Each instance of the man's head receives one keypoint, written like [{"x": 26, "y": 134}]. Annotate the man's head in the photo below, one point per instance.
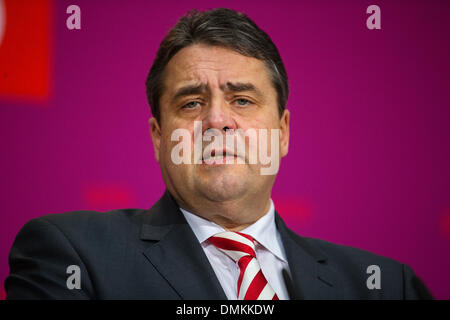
[
  {"x": 219, "y": 27},
  {"x": 217, "y": 68}
]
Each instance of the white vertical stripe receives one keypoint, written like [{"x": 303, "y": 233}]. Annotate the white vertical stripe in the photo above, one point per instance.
[
  {"x": 267, "y": 293},
  {"x": 2, "y": 20},
  {"x": 250, "y": 273}
]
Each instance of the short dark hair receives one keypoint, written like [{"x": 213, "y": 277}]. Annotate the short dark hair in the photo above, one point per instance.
[{"x": 218, "y": 27}]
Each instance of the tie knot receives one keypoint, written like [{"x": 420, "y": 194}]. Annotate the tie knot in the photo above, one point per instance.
[{"x": 234, "y": 244}]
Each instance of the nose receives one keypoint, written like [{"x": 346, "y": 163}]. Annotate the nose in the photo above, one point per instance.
[{"x": 218, "y": 117}]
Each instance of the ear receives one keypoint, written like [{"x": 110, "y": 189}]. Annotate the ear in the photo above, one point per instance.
[
  {"x": 155, "y": 133},
  {"x": 284, "y": 132}
]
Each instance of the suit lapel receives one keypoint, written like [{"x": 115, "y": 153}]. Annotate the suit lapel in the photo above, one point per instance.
[
  {"x": 176, "y": 253},
  {"x": 310, "y": 275}
]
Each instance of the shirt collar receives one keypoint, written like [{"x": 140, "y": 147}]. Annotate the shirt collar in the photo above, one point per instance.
[{"x": 264, "y": 230}]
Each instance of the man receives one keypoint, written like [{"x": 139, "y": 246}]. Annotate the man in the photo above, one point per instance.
[{"x": 215, "y": 233}]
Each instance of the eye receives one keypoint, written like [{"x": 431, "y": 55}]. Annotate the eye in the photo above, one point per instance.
[
  {"x": 242, "y": 102},
  {"x": 191, "y": 105}
]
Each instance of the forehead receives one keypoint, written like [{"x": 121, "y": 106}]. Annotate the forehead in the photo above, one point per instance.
[{"x": 214, "y": 66}]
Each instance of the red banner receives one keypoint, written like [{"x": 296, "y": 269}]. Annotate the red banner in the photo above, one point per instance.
[{"x": 24, "y": 48}]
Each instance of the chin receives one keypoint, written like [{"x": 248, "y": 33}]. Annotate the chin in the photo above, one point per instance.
[{"x": 222, "y": 187}]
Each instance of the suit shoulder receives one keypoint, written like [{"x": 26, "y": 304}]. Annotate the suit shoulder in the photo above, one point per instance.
[
  {"x": 355, "y": 265},
  {"x": 338, "y": 252},
  {"x": 81, "y": 217},
  {"x": 85, "y": 224}
]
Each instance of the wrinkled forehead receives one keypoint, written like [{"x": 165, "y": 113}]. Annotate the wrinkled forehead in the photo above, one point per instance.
[{"x": 213, "y": 68}]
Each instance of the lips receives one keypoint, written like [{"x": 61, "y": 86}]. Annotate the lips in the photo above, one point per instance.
[{"x": 219, "y": 157}]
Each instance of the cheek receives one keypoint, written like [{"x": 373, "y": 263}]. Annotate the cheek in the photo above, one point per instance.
[
  {"x": 260, "y": 122},
  {"x": 252, "y": 123},
  {"x": 167, "y": 145},
  {"x": 165, "y": 150}
]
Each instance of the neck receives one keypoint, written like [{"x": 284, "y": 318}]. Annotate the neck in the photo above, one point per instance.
[{"x": 232, "y": 214}]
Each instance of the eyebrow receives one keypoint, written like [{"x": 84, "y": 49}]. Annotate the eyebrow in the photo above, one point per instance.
[
  {"x": 229, "y": 86},
  {"x": 241, "y": 87},
  {"x": 190, "y": 90}
]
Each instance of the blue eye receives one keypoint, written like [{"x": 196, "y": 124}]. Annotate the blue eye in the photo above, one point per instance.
[
  {"x": 190, "y": 105},
  {"x": 242, "y": 102}
]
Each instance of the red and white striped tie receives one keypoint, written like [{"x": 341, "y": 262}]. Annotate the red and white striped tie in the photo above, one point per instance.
[{"x": 251, "y": 285}]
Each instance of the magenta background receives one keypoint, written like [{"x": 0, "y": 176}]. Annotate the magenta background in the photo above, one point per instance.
[{"x": 369, "y": 156}]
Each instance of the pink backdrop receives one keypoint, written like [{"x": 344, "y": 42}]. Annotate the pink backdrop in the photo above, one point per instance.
[{"x": 369, "y": 156}]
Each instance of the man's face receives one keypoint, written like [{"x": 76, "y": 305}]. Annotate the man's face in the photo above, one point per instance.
[{"x": 223, "y": 90}]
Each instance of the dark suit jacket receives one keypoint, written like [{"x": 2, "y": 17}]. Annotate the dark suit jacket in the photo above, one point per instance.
[{"x": 154, "y": 254}]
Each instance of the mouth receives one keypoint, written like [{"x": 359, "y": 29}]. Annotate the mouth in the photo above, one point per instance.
[{"x": 217, "y": 157}]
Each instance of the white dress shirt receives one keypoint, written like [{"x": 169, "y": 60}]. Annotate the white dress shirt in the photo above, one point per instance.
[{"x": 269, "y": 252}]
